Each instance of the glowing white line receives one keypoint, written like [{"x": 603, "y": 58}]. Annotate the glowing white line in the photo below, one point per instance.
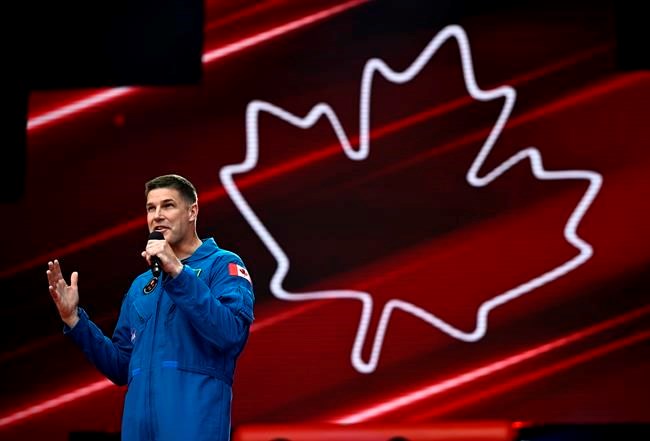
[{"x": 322, "y": 109}]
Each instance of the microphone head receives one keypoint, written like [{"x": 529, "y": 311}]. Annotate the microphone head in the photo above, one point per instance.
[
  {"x": 155, "y": 262},
  {"x": 156, "y": 235}
]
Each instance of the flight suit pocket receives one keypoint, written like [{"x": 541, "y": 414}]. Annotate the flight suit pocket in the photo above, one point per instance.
[{"x": 141, "y": 312}]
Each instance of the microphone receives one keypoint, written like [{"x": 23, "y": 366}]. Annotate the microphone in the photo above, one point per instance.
[{"x": 155, "y": 261}]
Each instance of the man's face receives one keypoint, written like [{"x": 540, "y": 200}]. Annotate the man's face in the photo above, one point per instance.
[{"x": 170, "y": 214}]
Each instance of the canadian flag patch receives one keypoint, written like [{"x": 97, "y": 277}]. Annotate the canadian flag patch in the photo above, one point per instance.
[{"x": 238, "y": 270}]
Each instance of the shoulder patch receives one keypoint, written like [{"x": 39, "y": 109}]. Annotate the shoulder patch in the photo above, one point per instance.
[
  {"x": 239, "y": 271},
  {"x": 150, "y": 286}
]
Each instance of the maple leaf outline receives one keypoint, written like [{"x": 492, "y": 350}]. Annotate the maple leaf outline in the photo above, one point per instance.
[{"x": 373, "y": 65}]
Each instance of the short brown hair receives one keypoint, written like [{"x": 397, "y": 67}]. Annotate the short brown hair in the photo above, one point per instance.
[{"x": 177, "y": 182}]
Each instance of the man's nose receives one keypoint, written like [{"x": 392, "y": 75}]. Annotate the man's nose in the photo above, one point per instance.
[{"x": 158, "y": 213}]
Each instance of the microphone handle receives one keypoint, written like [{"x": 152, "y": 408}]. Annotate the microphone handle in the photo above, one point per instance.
[{"x": 155, "y": 266}]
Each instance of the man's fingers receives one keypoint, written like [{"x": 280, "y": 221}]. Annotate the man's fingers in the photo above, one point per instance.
[
  {"x": 55, "y": 295},
  {"x": 146, "y": 257},
  {"x": 61, "y": 286},
  {"x": 50, "y": 277},
  {"x": 74, "y": 278},
  {"x": 55, "y": 268}
]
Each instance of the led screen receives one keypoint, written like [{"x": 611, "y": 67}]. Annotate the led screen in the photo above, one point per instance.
[{"x": 443, "y": 208}]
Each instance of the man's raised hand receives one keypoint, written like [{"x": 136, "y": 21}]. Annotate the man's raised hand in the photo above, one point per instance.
[{"x": 66, "y": 297}]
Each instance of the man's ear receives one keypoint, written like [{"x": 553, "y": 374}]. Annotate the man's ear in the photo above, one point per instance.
[{"x": 194, "y": 211}]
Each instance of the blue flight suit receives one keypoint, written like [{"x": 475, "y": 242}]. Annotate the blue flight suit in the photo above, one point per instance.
[{"x": 176, "y": 344}]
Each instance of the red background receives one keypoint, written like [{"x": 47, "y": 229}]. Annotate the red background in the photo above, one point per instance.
[{"x": 404, "y": 223}]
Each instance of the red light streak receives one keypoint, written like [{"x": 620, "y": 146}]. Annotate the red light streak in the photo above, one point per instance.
[
  {"x": 90, "y": 101},
  {"x": 107, "y": 95},
  {"x": 237, "y": 46},
  {"x": 217, "y": 192},
  {"x": 55, "y": 402},
  {"x": 529, "y": 377},
  {"x": 439, "y": 387},
  {"x": 243, "y": 13},
  {"x": 422, "y": 393}
]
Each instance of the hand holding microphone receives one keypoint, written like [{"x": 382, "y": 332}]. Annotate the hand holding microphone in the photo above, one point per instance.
[
  {"x": 155, "y": 260},
  {"x": 160, "y": 256}
]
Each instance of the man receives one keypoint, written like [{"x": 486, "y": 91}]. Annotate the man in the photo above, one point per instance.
[{"x": 178, "y": 336}]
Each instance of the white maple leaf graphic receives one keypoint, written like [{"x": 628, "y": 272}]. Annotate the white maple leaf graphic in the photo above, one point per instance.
[{"x": 323, "y": 109}]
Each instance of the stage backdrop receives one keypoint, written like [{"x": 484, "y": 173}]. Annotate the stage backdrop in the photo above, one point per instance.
[{"x": 443, "y": 206}]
